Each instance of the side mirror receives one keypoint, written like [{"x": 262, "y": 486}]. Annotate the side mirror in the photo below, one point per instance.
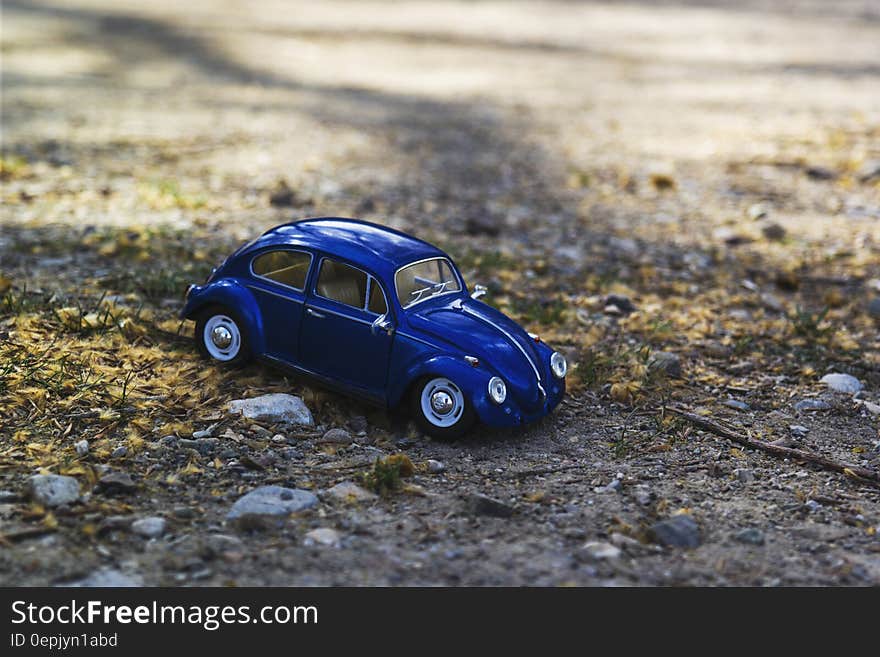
[
  {"x": 382, "y": 323},
  {"x": 479, "y": 291}
]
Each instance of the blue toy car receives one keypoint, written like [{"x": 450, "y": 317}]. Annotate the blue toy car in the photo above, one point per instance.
[{"x": 380, "y": 315}]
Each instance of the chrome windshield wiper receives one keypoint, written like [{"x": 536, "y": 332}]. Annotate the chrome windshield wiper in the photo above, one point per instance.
[{"x": 439, "y": 287}]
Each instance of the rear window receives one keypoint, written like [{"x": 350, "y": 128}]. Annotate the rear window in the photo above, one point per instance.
[{"x": 288, "y": 268}]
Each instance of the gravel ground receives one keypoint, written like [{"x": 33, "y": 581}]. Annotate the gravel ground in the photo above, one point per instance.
[{"x": 629, "y": 179}]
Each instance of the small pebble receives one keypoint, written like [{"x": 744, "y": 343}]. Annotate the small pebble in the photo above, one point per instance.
[
  {"x": 81, "y": 447},
  {"x": 7, "y": 496},
  {"x": 758, "y": 211},
  {"x": 116, "y": 482},
  {"x": 349, "y": 492},
  {"x": 598, "y": 551},
  {"x": 119, "y": 452},
  {"x": 677, "y": 531},
  {"x": 842, "y": 383},
  {"x": 269, "y": 505},
  {"x": 744, "y": 475},
  {"x": 773, "y": 232},
  {"x": 53, "y": 490},
  {"x": 667, "y": 362},
  {"x": 323, "y": 536},
  {"x": 736, "y": 404},
  {"x": 798, "y": 430},
  {"x": 340, "y": 436},
  {"x": 151, "y": 527},
  {"x": 622, "y": 304},
  {"x": 752, "y": 536},
  {"x": 482, "y": 505},
  {"x": 812, "y": 405},
  {"x": 436, "y": 467}
]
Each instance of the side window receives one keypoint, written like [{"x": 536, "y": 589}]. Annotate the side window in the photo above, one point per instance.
[
  {"x": 377, "y": 299},
  {"x": 342, "y": 283},
  {"x": 286, "y": 267}
]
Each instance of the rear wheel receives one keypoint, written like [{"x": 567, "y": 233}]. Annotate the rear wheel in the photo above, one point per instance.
[
  {"x": 220, "y": 336},
  {"x": 441, "y": 409}
]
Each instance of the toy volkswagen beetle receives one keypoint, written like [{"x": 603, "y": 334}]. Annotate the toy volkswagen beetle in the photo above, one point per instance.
[{"x": 380, "y": 315}]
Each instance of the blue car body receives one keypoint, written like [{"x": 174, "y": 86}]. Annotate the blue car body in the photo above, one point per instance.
[{"x": 450, "y": 334}]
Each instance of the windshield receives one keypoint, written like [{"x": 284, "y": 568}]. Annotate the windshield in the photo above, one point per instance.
[{"x": 425, "y": 279}]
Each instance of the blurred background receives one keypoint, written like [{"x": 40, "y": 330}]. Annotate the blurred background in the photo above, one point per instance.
[{"x": 476, "y": 115}]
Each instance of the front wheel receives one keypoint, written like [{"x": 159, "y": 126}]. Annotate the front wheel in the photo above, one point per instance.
[
  {"x": 220, "y": 336},
  {"x": 441, "y": 409}
]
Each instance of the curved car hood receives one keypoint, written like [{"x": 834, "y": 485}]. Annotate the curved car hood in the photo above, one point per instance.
[{"x": 480, "y": 330}]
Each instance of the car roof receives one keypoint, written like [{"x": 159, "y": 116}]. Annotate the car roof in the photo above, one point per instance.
[{"x": 372, "y": 246}]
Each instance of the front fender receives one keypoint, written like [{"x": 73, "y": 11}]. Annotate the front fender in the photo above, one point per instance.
[
  {"x": 231, "y": 294},
  {"x": 470, "y": 379}
]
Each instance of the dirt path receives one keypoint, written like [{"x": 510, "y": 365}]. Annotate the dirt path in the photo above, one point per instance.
[{"x": 718, "y": 167}]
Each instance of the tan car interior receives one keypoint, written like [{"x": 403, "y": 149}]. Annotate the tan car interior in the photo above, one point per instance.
[
  {"x": 285, "y": 267},
  {"x": 342, "y": 283},
  {"x": 336, "y": 281}
]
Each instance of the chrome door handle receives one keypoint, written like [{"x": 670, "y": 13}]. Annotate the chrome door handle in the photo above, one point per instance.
[{"x": 315, "y": 313}]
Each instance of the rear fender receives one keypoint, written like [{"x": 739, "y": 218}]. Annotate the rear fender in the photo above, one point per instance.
[{"x": 230, "y": 294}]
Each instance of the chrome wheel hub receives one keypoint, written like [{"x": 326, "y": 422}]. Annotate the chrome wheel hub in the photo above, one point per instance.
[
  {"x": 442, "y": 402},
  {"x": 221, "y": 337}
]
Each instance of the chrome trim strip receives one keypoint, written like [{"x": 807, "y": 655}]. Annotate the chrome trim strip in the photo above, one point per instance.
[
  {"x": 321, "y": 309},
  {"x": 415, "y": 339},
  {"x": 509, "y": 337},
  {"x": 274, "y": 294},
  {"x": 433, "y": 296}
]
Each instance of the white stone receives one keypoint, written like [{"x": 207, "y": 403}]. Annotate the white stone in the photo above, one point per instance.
[
  {"x": 53, "y": 490},
  {"x": 273, "y": 408},
  {"x": 81, "y": 447},
  {"x": 151, "y": 527},
  {"x": 323, "y": 536},
  {"x": 270, "y": 503},
  {"x": 842, "y": 383},
  {"x": 348, "y": 491},
  {"x": 598, "y": 551}
]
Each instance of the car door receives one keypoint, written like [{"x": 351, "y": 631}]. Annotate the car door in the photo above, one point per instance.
[
  {"x": 278, "y": 284},
  {"x": 336, "y": 337}
]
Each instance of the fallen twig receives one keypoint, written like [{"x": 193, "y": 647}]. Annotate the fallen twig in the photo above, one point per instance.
[
  {"x": 857, "y": 472},
  {"x": 20, "y": 534}
]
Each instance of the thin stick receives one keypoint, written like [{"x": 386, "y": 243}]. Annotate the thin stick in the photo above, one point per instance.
[
  {"x": 857, "y": 472},
  {"x": 28, "y": 532}
]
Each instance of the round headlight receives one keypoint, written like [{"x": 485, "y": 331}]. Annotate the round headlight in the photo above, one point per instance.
[
  {"x": 558, "y": 365},
  {"x": 497, "y": 390}
]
